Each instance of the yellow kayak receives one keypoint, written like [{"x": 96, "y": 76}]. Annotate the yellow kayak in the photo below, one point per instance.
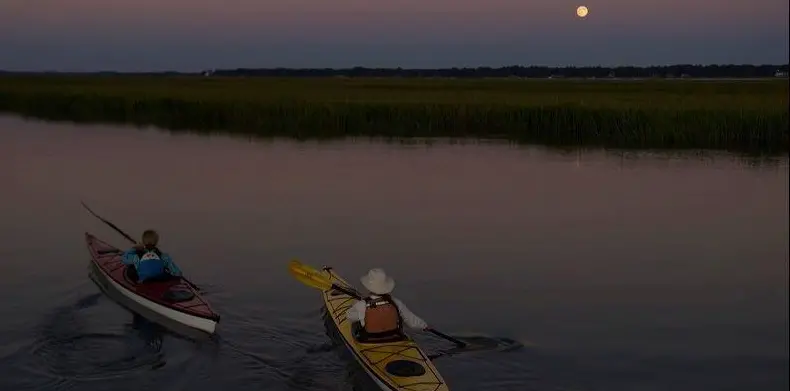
[{"x": 399, "y": 365}]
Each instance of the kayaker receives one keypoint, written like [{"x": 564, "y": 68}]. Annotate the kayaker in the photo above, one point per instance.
[
  {"x": 150, "y": 263},
  {"x": 380, "y": 316}
]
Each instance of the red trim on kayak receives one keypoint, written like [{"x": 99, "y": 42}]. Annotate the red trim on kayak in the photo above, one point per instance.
[{"x": 108, "y": 260}]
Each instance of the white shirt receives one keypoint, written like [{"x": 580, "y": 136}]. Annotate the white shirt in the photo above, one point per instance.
[{"x": 357, "y": 314}]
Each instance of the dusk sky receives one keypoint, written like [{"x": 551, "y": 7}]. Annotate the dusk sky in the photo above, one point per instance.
[{"x": 190, "y": 35}]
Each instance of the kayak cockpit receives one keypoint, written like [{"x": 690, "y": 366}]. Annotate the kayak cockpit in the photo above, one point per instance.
[
  {"x": 174, "y": 294},
  {"x": 177, "y": 295},
  {"x": 405, "y": 368},
  {"x": 131, "y": 274}
]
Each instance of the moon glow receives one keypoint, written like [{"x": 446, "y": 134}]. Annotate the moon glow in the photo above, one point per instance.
[{"x": 581, "y": 11}]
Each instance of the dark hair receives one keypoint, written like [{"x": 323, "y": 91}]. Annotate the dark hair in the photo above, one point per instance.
[{"x": 150, "y": 238}]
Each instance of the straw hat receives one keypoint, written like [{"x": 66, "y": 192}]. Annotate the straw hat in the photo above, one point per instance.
[{"x": 377, "y": 282}]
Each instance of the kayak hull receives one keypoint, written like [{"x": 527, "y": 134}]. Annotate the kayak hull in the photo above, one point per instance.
[
  {"x": 191, "y": 310},
  {"x": 383, "y": 362}
]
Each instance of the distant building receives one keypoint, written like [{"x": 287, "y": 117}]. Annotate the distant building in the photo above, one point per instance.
[
  {"x": 207, "y": 73},
  {"x": 780, "y": 74}
]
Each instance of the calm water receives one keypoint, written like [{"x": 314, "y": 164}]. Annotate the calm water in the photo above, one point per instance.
[{"x": 635, "y": 272}]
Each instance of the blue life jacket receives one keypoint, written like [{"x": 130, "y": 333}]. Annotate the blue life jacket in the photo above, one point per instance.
[{"x": 150, "y": 264}]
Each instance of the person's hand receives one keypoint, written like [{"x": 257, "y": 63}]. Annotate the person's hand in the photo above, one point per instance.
[{"x": 139, "y": 246}]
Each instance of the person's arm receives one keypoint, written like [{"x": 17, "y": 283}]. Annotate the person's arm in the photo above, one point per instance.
[
  {"x": 408, "y": 317},
  {"x": 130, "y": 256},
  {"x": 170, "y": 265},
  {"x": 357, "y": 312}
]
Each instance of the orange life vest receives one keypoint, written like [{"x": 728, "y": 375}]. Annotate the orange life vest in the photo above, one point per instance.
[{"x": 382, "y": 319}]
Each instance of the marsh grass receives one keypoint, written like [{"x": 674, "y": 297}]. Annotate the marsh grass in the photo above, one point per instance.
[{"x": 732, "y": 115}]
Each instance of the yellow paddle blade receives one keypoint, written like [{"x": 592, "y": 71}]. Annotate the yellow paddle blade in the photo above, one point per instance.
[{"x": 309, "y": 276}]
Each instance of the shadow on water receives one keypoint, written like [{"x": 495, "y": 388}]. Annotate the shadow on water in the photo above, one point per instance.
[
  {"x": 755, "y": 158},
  {"x": 749, "y": 158},
  {"x": 479, "y": 344}
]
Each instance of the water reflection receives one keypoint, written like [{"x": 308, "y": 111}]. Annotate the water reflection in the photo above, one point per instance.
[
  {"x": 599, "y": 257},
  {"x": 149, "y": 332}
]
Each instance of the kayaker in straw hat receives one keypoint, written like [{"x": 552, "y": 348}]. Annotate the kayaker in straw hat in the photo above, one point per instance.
[
  {"x": 150, "y": 263},
  {"x": 381, "y": 316}
]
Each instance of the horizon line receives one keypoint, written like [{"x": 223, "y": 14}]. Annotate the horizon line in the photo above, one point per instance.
[{"x": 340, "y": 69}]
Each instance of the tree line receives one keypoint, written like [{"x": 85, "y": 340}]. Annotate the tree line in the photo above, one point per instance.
[
  {"x": 668, "y": 71},
  {"x": 680, "y": 70}
]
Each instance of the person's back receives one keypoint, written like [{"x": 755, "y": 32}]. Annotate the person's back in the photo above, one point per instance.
[
  {"x": 149, "y": 262},
  {"x": 381, "y": 316}
]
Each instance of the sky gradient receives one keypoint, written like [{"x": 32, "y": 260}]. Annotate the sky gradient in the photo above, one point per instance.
[{"x": 190, "y": 35}]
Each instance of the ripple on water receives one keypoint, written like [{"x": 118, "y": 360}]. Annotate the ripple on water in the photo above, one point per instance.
[
  {"x": 95, "y": 356},
  {"x": 65, "y": 351},
  {"x": 291, "y": 354}
]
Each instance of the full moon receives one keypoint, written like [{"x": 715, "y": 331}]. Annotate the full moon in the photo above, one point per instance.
[{"x": 581, "y": 11}]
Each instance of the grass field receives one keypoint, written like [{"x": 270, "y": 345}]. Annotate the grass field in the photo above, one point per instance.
[{"x": 734, "y": 115}]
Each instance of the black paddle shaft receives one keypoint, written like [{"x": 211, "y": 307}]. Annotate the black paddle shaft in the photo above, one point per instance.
[{"x": 113, "y": 226}]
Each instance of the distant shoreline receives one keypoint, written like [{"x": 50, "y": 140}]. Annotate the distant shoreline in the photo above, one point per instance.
[
  {"x": 712, "y": 71},
  {"x": 745, "y": 116}
]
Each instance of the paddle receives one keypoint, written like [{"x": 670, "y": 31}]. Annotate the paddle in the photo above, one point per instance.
[
  {"x": 481, "y": 344},
  {"x": 125, "y": 235},
  {"x": 314, "y": 278}
]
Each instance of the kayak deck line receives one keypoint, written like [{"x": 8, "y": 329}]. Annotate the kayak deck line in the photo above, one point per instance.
[
  {"x": 340, "y": 310},
  {"x": 387, "y": 363}
]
